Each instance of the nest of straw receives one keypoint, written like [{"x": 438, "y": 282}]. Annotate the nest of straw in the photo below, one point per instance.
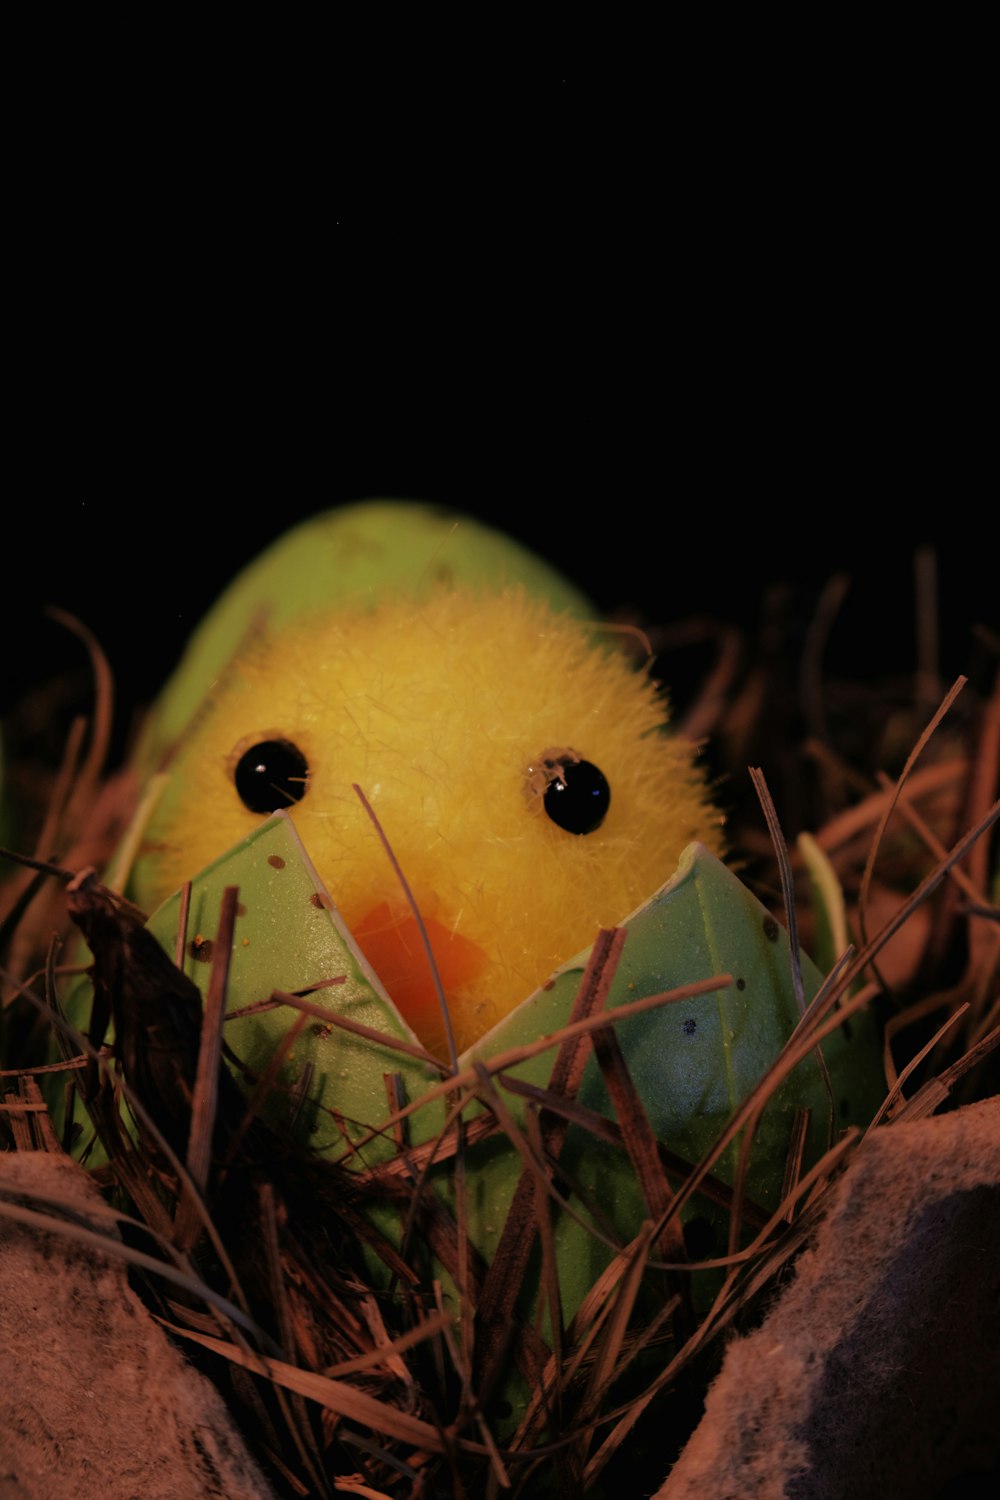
[{"x": 257, "y": 1256}]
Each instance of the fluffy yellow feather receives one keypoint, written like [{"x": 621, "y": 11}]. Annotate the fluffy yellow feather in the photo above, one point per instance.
[{"x": 443, "y": 712}]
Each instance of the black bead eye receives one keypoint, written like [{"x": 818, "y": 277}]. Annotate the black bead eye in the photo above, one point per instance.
[
  {"x": 270, "y": 775},
  {"x": 577, "y": 796}
]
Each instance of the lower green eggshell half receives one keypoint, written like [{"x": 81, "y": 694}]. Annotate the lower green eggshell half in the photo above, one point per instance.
[{"x": 692, "y": 1062}]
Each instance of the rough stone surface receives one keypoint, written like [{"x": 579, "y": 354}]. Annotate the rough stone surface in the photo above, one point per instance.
[
  {"x": 878, "y": 1372},
  {"x": 94, "y": 1400}
]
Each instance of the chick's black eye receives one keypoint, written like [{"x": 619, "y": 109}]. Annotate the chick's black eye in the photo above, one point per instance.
[
  {"x": 578, "y": 796},
  {"x": 270, "y": 775}
]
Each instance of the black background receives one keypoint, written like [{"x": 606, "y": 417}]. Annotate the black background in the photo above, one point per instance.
[
  {"x": 685, "y": 341},
  {"x": 650, "y": 495}
]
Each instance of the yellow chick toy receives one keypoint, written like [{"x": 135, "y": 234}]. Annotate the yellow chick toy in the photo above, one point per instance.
[{"x": 520, "y": 773}]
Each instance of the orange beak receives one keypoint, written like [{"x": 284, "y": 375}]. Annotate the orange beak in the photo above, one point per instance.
[{"x": 390, "y": 940}]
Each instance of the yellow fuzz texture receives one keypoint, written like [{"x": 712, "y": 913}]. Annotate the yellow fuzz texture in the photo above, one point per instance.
[{"x": 437, "y": 710}]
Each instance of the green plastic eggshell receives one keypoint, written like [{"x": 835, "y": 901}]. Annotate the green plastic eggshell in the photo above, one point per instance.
[
  {"x": 346, "y": 556},
  {"x": 690, "y": 1077},
  {"x": 831, "y": 935},
  {"x": 290, "y": 937}
]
